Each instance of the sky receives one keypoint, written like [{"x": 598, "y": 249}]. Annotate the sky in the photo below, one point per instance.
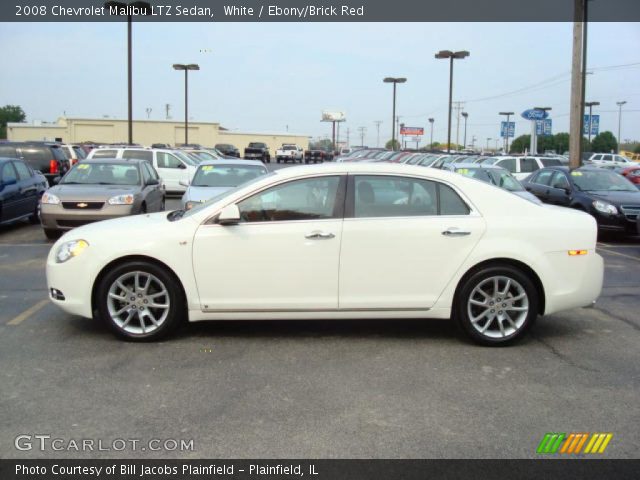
[{"x": 278, "y": 77}]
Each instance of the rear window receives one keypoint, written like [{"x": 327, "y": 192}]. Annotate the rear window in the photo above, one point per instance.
[
  {"x": 38, "y": 155},
  {"x": 139, "y": 154},
  {"x": 79, "y": 152},
  {"x": 551, "y": 162},
  {"x": 104, "y": 153},
  {"x": 7, "y": 151}
]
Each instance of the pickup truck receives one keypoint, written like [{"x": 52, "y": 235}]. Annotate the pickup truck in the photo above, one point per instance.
[
  {"x": 257, "y": 151},
  {"x": 317, "y": 155},
  {"x": 289, "y": 153}
]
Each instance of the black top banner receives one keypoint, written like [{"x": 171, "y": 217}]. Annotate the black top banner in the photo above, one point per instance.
[
  {"x": 316, "y": 11},
  {"x": 318, "y": 469}
]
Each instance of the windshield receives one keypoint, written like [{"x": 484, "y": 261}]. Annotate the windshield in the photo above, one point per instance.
[
  {"x": 187, "y": 158},
  {"x": 226, "y": 175},
  {"x": 203, "y": 156},
  {"x": 601, "y": 180},
  {"x": 224, "y": 194},
  {"x": 102, "y": 174}
]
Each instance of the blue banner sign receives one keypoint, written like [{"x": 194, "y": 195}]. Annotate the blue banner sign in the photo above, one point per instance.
[
  {"x": 503, "y": 129},
  {"x": 543, "y": 127},
  {"x": 595, "y": 125}
]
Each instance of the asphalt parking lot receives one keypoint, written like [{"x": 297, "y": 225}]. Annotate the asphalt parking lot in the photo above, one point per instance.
[{"x": 316, "y": 389}]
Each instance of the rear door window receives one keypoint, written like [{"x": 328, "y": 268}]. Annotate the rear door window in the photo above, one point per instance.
[
  {"x": 507, "y": 163},
  {"x": 528, "y": 165}
]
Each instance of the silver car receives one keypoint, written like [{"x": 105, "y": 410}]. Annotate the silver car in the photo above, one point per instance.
[
  {"x": 214, "y": 177},
  {"x": 100, "y": 189}
]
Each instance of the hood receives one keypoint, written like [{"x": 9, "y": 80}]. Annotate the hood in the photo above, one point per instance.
[
  {"x": 91, "y": 192},
  {"x": 202, "y": 194},
  {"x": 632, "y": 198}
]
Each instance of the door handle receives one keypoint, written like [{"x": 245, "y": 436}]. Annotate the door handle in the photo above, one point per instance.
[
  {"x": 455, "y": 232},
  {"x": 318, "y": 235}
]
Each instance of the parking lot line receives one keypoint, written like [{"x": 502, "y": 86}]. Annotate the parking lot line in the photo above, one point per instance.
[
  {"x": 620, "y": 254},
  {"x": 28, "y": 312}
]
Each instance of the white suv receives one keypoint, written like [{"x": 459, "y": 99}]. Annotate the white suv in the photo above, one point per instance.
[
  {"x": 522, "y": 167},
  {"x": 173, "y": 166},
  {"x": 610, "y": 160}
]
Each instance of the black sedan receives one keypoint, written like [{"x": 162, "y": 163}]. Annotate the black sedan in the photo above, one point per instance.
[
  {"x": 612, "y": 199},
  {"x": 228, "y": 150},
  {"x": 20, "y": 191}
]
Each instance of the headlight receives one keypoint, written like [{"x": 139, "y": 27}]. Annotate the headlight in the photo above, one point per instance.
[
  {"x": 70, "y": 249},
  {"x": 605, "y": 207},
  {"x": 50, "y": 199},
  {"x": 189, "y": 205},
  {"x": 121, "y": 200}
]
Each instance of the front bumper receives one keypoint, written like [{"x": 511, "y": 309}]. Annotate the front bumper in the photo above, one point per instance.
[
  {"x": 68, "y": 280},
  {"x": 56, "y": 217},
  {"x": 620, "y": 222}
]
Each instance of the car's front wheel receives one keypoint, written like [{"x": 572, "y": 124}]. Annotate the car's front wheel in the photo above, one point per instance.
[
  {"x": 140, "y": 301},
  {"x": 496, "y": 305}
]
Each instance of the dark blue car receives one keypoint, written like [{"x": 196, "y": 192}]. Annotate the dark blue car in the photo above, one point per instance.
[{"x": 20, "y": 191}]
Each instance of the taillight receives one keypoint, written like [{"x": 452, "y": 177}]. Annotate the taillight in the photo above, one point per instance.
[{"x": 53, "y": 166}]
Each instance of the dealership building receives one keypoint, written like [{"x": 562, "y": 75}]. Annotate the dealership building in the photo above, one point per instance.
[{"x": 145, "y": 132}]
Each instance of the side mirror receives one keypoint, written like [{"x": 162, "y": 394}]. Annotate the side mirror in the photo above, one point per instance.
[
  {"x": 229, "y": 215},
  {"x": 56, "y": 180},
  {"x": 153, "y": 181},
  {"x": 182, "y": 166},
  {"x": 184, "y": 183},
  {"x": 567, "y": 190}
]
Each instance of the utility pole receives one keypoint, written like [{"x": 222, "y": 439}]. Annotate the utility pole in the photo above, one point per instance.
[
  {"x": 362, "y": 131},
  {"x": 620, "y": 104},
  {"x": 148, "y": 110},
  {"x": 167, "y": 109},
  {"x": 488, "y": 140},
  {"x": 577, "y": 86},
  {"x": 458, "y": 106},
  {"x": 465, "y": 115},
  {"x": 431, "y": 120},
  {"x": 378, "y": 122}
]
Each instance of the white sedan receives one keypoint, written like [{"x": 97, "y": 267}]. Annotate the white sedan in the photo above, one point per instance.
[{"x": 335, "y": 241}]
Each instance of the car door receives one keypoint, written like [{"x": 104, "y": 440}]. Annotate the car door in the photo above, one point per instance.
[
  {"x": 540, "y": 184},
  {"x": 283, "y": 255},
  {"x": 153, "y": 193},
  {"x": 403, "y": 239},
  {"x": 27, "y": 189},
  {"x": 10, "y": 193},
  {"x": 171, "y": 170},
  {"x": 560, "y": 190}
]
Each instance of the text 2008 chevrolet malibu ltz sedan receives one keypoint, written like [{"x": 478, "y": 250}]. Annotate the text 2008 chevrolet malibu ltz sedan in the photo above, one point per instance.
[{"x": 335, "y": 241}]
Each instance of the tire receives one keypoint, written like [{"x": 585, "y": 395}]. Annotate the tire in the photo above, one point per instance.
[
  {"x": 52, "y": 234},
  {"x": 35, "y": 217},
  {"x": 489, "y": 326},
  {"x": 278, "y": 160},
  {"x": 143, "y": 208},
  {"x": 131, "y": 319}
]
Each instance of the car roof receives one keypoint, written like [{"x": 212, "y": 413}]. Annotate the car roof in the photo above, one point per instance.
[
  {"x": 119, "y": 161},
  {"x": 479, "y": 166},
  {"x": 232, "y": 162}
]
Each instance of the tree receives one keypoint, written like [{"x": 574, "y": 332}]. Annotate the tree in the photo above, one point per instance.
[
  {"x": 604, "y": 142},
  {"x": 10, "y": 113},
  {"x": 390, "y": 145},
  {"x": 520, "y": 144}
]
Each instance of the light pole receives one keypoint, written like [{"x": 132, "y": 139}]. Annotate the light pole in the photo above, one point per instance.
[
  {"x": 506, "y": 137},
  {"x": 450, "y": 55},
  {"x": 620, "y": 104},
  {"x": 144, "y": 8},
  {"x": 590, "y": 105},
  {"x": 465, "y": 115},
  {"x": 186, "y": 68},
  {"x": 488, "y": 140},
  {"x": 431, "y": 120},
  {"x": 395, "y": 81}
]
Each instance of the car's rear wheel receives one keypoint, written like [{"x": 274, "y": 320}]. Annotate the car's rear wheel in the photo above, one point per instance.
[
  {"x": 140, "y": 301},
  {"x": 496, "y": 305}
]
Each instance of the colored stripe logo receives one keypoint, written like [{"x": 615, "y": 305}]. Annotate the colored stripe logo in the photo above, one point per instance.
[{"x": 573, "y": 443}]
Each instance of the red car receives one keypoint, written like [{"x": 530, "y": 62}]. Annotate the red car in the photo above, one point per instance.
[{"x": 631, "y": 173}]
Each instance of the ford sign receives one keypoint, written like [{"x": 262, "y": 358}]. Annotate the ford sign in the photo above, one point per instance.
[{"x": 533, "y": 114}]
